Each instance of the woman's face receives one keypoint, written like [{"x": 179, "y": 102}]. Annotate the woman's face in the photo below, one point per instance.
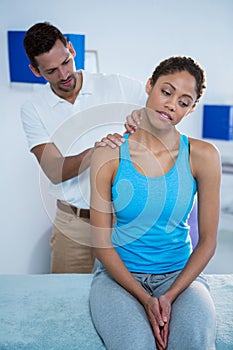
[{"x": 172, "y": 97}]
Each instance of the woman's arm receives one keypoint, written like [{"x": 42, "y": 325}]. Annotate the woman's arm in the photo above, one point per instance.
[
  {"x": 206, "y": 168},
  {"x": 104, "y": 165}
]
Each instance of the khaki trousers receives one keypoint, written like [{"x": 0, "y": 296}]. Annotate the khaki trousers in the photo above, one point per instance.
[{"x": 70, "y": 244}]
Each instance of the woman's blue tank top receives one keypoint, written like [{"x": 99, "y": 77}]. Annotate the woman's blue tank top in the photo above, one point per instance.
[{"x": 151, "y": 233}]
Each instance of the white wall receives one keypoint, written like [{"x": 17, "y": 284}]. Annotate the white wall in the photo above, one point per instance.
[{"x": 131, "y": 38}]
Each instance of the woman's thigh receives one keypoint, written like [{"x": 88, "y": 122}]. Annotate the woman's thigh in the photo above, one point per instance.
[
  {"x": 119, "y": 318},
  {"x": 193, "y": 320}
]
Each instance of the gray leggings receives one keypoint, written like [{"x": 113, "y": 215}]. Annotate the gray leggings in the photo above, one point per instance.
[{"x": 122, "y": 323}]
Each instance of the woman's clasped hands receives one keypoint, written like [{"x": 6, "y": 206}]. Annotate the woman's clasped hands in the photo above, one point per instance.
[{"x": 158, "y": 311}]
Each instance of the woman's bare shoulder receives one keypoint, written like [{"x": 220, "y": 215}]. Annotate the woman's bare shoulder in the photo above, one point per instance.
[
  {"x": 204, "y": 156},
  {"x": 203, "y": 148},
  {"x": 105, "y": 153}
]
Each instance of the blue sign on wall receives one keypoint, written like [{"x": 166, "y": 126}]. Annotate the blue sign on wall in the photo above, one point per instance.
[
  {"x": 19, "y": 64},
  {"x": 218, "y": 122}
]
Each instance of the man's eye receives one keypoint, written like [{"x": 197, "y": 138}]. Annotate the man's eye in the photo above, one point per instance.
[
  {"x": 66, "y": 62},
  {"x": 51, "y": 71}
]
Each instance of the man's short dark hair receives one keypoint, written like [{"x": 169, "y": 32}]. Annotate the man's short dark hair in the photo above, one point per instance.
[{"x": 40, "y": 38}]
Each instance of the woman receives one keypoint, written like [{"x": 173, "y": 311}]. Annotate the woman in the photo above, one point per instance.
[{"x": 150, "y": 292}]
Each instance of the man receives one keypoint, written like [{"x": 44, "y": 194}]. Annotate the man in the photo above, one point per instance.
[{"x": 68, "y": 91}]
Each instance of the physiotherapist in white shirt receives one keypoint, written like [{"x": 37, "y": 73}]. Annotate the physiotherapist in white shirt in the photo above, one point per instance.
[{"x": 53, "y": 121}]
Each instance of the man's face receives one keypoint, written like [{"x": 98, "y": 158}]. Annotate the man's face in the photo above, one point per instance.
[{"x": 58, "y": 68}]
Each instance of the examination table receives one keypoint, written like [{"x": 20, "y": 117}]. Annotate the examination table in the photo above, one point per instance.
[{"x": 51, "y": 312}]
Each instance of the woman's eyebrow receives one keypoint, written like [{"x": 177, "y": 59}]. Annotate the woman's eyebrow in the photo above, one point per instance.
[{"x": 174, "y": 88}]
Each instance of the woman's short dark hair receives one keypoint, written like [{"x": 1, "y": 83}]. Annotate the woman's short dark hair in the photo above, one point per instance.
[{"x": 178, "y": 64}]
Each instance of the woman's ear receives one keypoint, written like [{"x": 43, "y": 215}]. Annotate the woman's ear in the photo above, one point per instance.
[
  {"x": 35, "y": 71},
  {"x": 191, "y": 110},
  {"x": 71, "y": 48},
  {"x": 194, "y": 106},
  {"x": 148, "y": 86}
]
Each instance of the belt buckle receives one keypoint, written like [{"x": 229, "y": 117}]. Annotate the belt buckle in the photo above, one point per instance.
[{"x": 78, "y": 210}]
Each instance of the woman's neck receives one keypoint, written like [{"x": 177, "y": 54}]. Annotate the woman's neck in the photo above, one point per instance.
[
  {"x": 155, "y": 154},
  {"x": 158, "y": 139}
]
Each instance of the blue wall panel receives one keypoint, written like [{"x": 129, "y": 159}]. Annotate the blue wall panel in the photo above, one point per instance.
[{"x": 218, "y": 122}]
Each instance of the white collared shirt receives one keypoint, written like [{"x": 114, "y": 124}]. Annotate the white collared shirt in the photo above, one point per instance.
[{"x": 45, "y": 113}]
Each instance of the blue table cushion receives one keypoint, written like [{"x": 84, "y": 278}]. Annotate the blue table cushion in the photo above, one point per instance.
[{"x": 51, "y": 312}]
